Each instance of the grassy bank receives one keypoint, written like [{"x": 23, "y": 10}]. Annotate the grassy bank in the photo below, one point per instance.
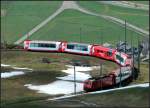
[
  {"x": 13, "y": 90},
  {"x": 76, "y": 26},
  {"x": 21, "y": 16},
  {"x": 14, "y": 94},
  {"x": 71, "y": 24},
  {"x": 133, "y": 97}
]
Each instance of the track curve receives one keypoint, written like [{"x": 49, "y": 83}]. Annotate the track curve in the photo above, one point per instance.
[{"x": 125, "y": 71}]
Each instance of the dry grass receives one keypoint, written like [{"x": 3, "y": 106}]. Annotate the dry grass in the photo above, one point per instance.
[{"x": 15, "y": 95}]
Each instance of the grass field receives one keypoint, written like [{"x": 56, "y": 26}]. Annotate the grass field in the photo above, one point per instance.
[
  {"x": 93, "y": 29},
  {"x": 57, "y": 60},
  {"x": 146, "y": 2},
  {"x": 15, "y": 94},
  {"x": 136, "y": 17},
  {"x": 13, "y": 90},
  {"x": 133, "y": 97},
  {"x": 21, "y": 16},
  {"x": 70, "y": 25}
]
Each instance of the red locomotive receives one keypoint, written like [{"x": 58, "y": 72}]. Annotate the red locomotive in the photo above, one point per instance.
[
  {"x": 93, "y": 84},
  {"x": 91, "y": 50},
  {"x": 109, "y": 80}
]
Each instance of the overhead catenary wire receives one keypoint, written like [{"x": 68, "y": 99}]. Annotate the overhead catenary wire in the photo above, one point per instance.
[{"x": 125, "y": 36}]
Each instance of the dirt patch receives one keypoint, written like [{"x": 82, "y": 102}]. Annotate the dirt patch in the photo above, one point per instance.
[{"x": 3, "y": 12}]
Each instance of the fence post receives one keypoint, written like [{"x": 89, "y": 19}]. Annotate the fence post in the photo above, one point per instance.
[{"x": 74, "y": 80}]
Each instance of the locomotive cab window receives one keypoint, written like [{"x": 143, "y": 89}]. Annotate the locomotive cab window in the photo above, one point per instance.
[
  {"x": 109, "y": 53},
  {"x": 87, "y": 82},
  {"x": 119, "y": 58}
]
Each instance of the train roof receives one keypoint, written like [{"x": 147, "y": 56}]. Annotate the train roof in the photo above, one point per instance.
[
  {"x": 104, "y": 48},
  {"x": 41, "y": 41},
  {"x": 96, "y": 78},
  {"x": 78, "y": 43}
]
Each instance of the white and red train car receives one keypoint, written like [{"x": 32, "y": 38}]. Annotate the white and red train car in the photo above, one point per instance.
[
  {"x": 79, "y": 48},
  {"x": 91, "y": 50}
]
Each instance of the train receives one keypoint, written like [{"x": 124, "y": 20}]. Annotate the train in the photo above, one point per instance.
[
  {"x": 79, "y": 48},
  {"x": 109, "y": 81},
  {"x": 94, "y": 50}
]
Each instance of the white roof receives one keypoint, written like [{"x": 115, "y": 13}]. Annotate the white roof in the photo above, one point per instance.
[
  {"x": 78, "y": 43},
  {"x": 37, "y": 41}
]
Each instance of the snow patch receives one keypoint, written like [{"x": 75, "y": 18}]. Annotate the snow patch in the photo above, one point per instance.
[
  {"x": 10, "y": 74},
  {"x": 4, "y": 65},
  {"x": 57, "y": 87},
  {"x": 21, "y": 68},
  {"x": 14, "y": 67},
  {"x": 64, "y": 85},
  {"x": 80, "y": 76}
]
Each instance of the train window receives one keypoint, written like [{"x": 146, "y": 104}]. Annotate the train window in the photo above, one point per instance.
[
  {"x": 77, "y": 47},
  {"x": 40, "y": 45},
  {"x": 119, "y": 58},
  {"x": 69, "y": 46},
  {"x": 33, "y": 45},
  {"x": 51, "y": 45},
  {"x": 84, "y": 48},
  {"x": 81, "y": 47},
  {"x": 122, "y": 74},
  {"x": 45, "y": 45}
]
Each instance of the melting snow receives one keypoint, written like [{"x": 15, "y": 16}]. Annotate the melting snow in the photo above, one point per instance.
[
  {"x": 4, "y": 65},
  {"x": 80, "y": 76},
  {"x": 57, "y": 87},
  {"x": 21, "y": 68},
  {"x": 14, "y": 67},
  {"x": 10, "y": 74},
  {"x": 64, "y": 87}
]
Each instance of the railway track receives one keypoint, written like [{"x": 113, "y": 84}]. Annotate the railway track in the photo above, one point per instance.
[
  {"x": 125, "y": 72},
  {"x": 115, "y": 77}
]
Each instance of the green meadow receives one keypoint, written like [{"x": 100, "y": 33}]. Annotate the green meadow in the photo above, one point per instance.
[{"x": 137, "y": 17}]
